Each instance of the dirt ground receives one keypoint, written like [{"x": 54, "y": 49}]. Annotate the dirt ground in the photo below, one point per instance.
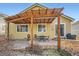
[
  {"x": 5, "y": 50},
  {"x": 11, "y": 48}
]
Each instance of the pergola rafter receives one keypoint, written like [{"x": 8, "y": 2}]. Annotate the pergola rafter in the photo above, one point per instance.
[
  {"x": 37, "y": 13},
  {"x": 37, "y": 16}
]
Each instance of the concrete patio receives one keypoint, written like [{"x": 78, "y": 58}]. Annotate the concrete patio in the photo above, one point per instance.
[
  {"x": 17, "y": 47},
  {"x": 22, "y": 44},
  {"x": 19, "y": 44}
]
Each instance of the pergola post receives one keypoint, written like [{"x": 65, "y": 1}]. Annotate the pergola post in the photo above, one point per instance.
[
  {"x": 31, "y": 34},
  {"x": 59, "y": 43},
  {"x": 8, "y": 30}
]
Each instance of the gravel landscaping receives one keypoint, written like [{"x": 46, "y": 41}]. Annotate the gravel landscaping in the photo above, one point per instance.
[
  {"x": 47, "y": 52},
  {"x": 7, "y": 50}
]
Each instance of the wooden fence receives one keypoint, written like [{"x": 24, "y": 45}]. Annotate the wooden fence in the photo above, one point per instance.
[{"x": 71, "y": 46}]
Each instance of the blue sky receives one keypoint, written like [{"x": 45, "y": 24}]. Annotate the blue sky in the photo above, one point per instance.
[{"x": 70, "y": 9}]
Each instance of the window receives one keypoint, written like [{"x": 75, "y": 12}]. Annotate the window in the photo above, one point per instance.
[
  {"x": 61, "y": 29},
  {"x": 22, "y": 28},
  {"x": 2, "y": 27},
  {"x": 41, "y": 28}
]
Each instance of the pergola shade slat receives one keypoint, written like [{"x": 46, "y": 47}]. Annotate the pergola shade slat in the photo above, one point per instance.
[{"x": 35, "y": 14}]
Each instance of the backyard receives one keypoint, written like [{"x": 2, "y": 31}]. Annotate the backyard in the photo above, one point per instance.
[
  {"x": 40, "y": 48},
  {"x": 8, "y": 50}
]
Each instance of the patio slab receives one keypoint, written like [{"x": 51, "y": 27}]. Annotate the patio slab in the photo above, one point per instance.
[
  {"x": 22, "y": 44},
  {"x": 19, "y": 44}
]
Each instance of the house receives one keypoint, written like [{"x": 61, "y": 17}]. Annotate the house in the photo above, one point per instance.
[
  {"x": 75, "y": 28},
  {"x": 45, "y": 23},
  {"x": 2, "y": 23}
]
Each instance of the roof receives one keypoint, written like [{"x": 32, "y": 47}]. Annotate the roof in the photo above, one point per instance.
[
  {"x": 32, "y": 6},
  {"x": 75, "y": 23},
  {"x": 68, "y": 17},
  {"x": 3, "y": 15}
]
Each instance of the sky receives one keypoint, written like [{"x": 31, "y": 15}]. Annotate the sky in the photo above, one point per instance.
[{"x": 70, "y": 9}]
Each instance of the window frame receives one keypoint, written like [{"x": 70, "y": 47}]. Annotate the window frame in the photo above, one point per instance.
[
  {"x": 64, "y": 30},
  {"x": 38, "y": 28},
  {"x": 20, "y": 25}
]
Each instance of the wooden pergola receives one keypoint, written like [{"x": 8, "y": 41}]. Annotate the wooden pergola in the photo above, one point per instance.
[{"x": 36, "y": 16}]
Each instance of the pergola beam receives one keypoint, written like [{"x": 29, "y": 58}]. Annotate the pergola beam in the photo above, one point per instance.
[
  {"x": 37, "y": 13},
  {"x": 36, "y": 20},
  {"x": 13, "y": 20}
]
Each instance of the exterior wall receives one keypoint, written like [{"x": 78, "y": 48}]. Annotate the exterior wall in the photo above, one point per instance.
[
  {"x": 21, "y": 35},
  {"x": 75, "y": 29},
  {"x": 2, "y": 26},
  {"x": 63, "y": 20},
  {"x": 68, "y": 24},
  {"x": 49, "y": 29},
  {"x": 16, "y": 35}
]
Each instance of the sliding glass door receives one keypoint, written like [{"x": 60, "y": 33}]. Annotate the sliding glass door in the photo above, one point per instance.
[{"x": 62, "y": 30}]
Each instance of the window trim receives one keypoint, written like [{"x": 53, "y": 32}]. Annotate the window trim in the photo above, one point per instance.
[
  {"x": 41, "y": 24},
  {"x": 64, "y": 29},
  {"x": 22, "y": 24}
]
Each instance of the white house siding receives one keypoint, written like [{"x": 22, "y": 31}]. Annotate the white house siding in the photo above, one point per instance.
[
  {"x": 75, "y": 29},
  {"x": 2, "y": 29},
  {"x": 2, "y": 24}
]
